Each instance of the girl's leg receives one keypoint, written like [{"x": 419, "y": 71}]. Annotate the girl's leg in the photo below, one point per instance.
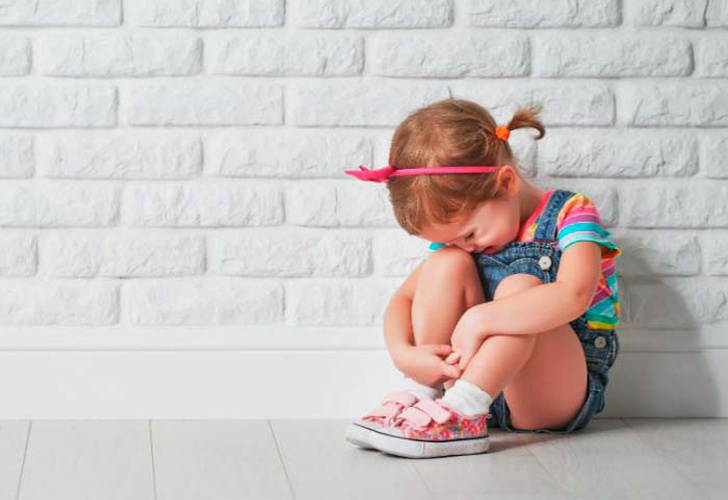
[
  {"x": 543, "y": 376},
  {"x": 539, "y": 374},
  {"x": 448, "y": 285}
]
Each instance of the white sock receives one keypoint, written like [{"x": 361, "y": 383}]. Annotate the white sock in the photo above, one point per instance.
[
  {"x": 467, "y": 398},
  {"x": 420, "y": 390}
]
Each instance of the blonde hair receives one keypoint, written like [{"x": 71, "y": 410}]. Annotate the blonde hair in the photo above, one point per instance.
[{"x": 450, "y": 132}]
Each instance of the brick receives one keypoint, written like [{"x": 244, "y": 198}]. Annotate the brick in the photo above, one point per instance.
[
  {"x": 372, "y": 14},
  {"x": 209, "y": 103},
  {"x": 208, "y": 301},
  {"x": 329, "y": 204},
  {"x": 712, "y": 56},
  {"x": 60, "y": 13},
  {"x": 203, "y": 204},
  {"x": 657, "y": 252},
  {"x": 291, "y": 253},
  {"x": 682, "y": 13},
  {"x": 564, "y": 102},
  {"x": 716, "y": 15},
  {"x": 295, "y": 153},
  {"x": 286, "y": 54},
  {"x": 18, "y": 254},
  {"x": 449, "y": 56},
  {"x": 123, "y": 253},
  {"x": 205, "y": 13},
  {"x": 397, "y": 253},
  {"x": 332, "y": 302},
  {"x": 16, "y": 157},
  {"x": 715, "y": 152},
  {"x": 58, "y": 205},
  {"x": 618, "y": 154},
  {"x": 58, "y": 302},
  {"x": 54, "y": 105},
  {"x": 716, "y": 252},
  {"x": 360, "y": 103},
  {"x": 611, "y": 55},
  {"x": 120, "y": 156},
  {"x": 675, "y": 302},
  {"x": 688, "y": 205},
  {"x": 136, "y": 54},
  {"x": 703, "y": 103},
  {"x": 560, "y": 13},
  {"x": 14, "y": 55}
]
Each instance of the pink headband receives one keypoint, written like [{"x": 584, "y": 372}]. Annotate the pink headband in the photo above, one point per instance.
[{"x": 383, "y": 174}]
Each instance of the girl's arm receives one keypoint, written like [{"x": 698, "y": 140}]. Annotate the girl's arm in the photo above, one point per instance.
[{"x": 545, "y": 307}]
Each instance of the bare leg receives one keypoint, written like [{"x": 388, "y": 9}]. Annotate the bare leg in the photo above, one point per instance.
[
  {"x": 448, "y": 285},
  {"x": 542, "y": 376}
]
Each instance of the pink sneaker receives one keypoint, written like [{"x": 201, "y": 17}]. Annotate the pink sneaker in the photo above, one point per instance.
[
  {"x": 432, "y": 428},
  {"x": 384, "y": 415}
]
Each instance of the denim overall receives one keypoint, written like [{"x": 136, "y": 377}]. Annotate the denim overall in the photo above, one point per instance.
[{"x": 541, "y": 258}]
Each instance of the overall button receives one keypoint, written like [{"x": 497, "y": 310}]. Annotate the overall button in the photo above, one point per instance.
[
  {"x": 544, "y": 263},
  {"x": 600, "y": 342}
]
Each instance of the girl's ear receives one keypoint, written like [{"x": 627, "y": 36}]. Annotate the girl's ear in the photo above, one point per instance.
[{"x": 508, "y": 180}]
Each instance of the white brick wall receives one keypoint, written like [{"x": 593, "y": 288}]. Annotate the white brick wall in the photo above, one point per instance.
[{"x": 172, "y": 163}]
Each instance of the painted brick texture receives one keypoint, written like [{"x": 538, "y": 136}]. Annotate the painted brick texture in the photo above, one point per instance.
[{"x": 181, "y": 162}]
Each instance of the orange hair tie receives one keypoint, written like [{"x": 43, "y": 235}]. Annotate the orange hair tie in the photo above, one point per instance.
[{"x": 503, "y": 133}]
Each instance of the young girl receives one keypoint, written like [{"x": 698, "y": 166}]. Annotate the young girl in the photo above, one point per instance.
[{"x": 517, "y": 305}]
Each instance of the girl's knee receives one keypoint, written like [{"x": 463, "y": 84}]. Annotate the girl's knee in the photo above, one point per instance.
[
  {"x": 449, "y": 259},
  {"x": 515, "y": 283},
  {"x": 454, "y": 270},
  {"x": 448, "y": 266}
]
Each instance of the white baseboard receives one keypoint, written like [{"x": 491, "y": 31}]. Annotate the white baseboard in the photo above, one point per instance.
[
  {"x": 284, "y": 376},
  {"x": 312, "y": 384}
]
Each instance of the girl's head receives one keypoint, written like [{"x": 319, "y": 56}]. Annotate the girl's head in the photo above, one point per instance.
[{"x": 447, "y": 208}]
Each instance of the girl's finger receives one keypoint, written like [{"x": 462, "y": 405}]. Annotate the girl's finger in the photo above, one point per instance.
[
  {"x": 451, "y": 371},
  {"x": 463, "y": 363},
  {"x": 452, "y": 358},
  {"x": 441, "y": 349}
]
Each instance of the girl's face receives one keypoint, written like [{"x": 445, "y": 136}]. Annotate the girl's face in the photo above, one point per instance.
[{"x": 487, "y": 229}]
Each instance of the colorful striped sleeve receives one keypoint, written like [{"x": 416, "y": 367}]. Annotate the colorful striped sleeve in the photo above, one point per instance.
[{"x": 579, "y": 220}]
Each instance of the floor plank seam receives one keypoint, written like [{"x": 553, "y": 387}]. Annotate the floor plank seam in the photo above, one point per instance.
[
  {"x": 430, "y": 493},
  {"x": 280, "y": 457},
  {"x": 151, "y": 449},
  {"x": 22, "y": 465},
  {"x": 566, "y": 490}
]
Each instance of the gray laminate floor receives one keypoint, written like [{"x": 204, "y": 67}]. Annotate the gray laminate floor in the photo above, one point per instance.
[{"x": 309, "y": 459}]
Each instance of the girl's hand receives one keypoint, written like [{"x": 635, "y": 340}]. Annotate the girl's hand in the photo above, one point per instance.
[
  {"x": 452, "y": 359},
  {"x": 425, "y": 364},
  {"x": 468, "y": 335}
]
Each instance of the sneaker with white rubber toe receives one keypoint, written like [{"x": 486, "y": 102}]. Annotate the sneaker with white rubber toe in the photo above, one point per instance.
[
  {"x": 432, "y": 428},
  {"x": 360, "y": 431}
]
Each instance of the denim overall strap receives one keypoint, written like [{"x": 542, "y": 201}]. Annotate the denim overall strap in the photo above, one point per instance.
[{"x": 546, "y": 229}]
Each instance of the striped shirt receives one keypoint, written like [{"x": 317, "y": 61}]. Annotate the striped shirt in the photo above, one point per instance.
[{"x": 579, "y": 220}]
